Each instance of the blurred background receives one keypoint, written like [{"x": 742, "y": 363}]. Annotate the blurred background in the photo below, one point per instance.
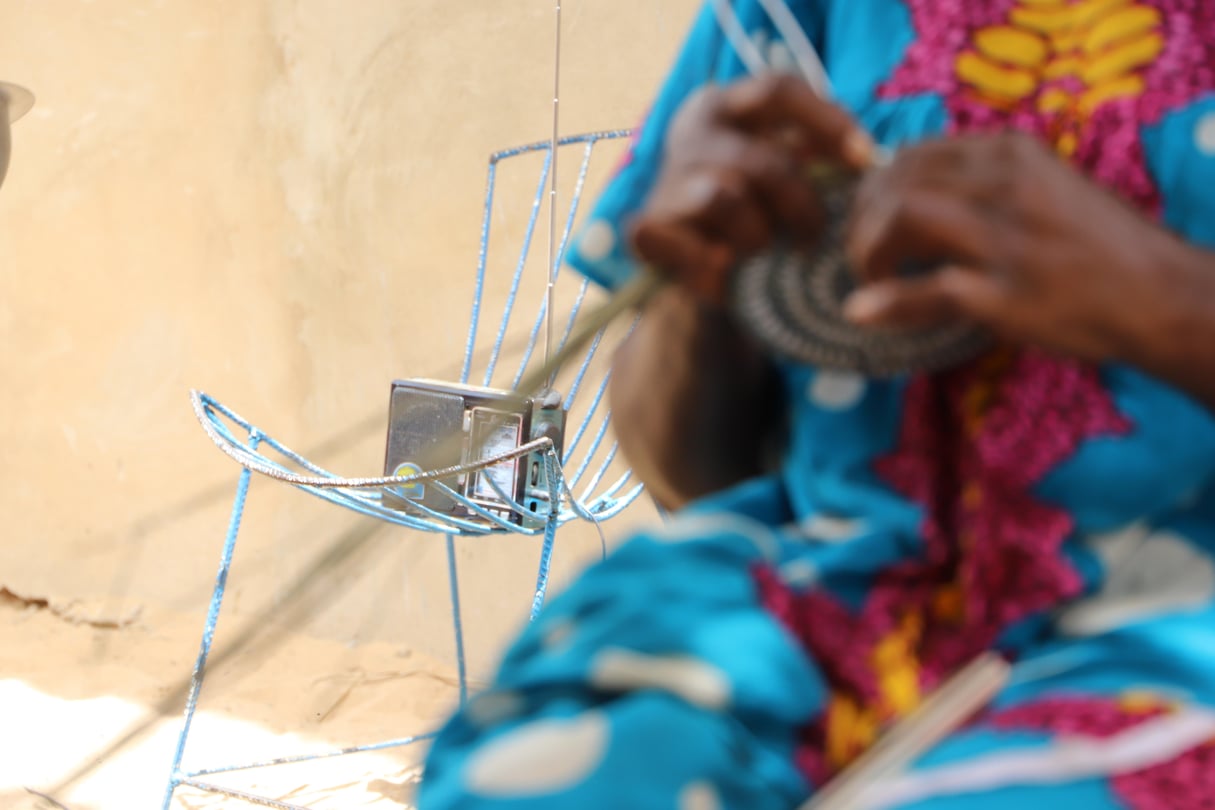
[{"x": 278, "y": 202}]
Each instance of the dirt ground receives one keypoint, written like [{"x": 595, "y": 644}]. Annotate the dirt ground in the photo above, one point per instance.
[{"x": 278, "y": 202}]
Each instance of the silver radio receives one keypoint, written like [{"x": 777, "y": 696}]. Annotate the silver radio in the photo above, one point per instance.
[{"x": 433, "y": 425}]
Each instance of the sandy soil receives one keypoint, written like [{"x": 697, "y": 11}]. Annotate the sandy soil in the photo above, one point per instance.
[{"x": 292, "y": 695}]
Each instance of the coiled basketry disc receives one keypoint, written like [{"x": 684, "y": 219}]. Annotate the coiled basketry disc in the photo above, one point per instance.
[{"x": 793, "y": 304}]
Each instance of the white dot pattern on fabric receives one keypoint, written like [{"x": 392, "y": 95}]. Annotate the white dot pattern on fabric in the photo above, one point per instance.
[
  {"x": 831, "y": 529},
  {"x": 1115, "y": 547},
  {"x": 799, "y": 573},
  {"x": 598, "y": 241},
  {"x": 691, "y": 528},
  {"x": 1204, "y": 134},
  {"x": 699, "y": 796},
  {"x": 559, "y": 634},
  {"x": 836, "y": 390},
  {"x": 1165, "y": 573},
  {"x": 540, "y": 758},
  {"x": 492, "y": 708},
  {"x": 693, "y": 680}
]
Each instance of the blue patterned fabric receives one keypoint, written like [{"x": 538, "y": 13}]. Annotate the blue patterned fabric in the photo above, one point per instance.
[{"x": 746, "y": 652}]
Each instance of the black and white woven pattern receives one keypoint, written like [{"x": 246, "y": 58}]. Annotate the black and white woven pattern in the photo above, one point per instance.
[{"x": 792, "y": 302}]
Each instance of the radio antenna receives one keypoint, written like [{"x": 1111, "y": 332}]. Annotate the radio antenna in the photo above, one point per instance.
[{"x": 550, "y": 298}]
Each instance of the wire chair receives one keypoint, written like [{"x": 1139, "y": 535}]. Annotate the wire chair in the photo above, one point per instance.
[{"x": 585, "y": 482}]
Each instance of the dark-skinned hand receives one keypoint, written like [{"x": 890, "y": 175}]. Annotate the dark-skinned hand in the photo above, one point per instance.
[
  {"x": 1030, "y": 248},
  {"x": 1019, "y": 241},
  {"x": 734, "y": 176}
]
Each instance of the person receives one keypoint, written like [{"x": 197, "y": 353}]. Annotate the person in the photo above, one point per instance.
[{"x": 1052, "y": 500}]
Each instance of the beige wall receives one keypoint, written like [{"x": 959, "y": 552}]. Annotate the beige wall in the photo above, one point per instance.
[{"x": 276, "y": 201}]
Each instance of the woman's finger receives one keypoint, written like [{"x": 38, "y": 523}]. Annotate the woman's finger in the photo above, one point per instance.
[
  {"x": 946, "y": 295},
  {"x": 724, "y": 205},
  {"x": 812, "y": 126},
  {"x": 700, "y": 264},
  {"x": 776, "y": 179},
  {"x": 900, "y": 304},
  {"x": 909, "y": 230}
]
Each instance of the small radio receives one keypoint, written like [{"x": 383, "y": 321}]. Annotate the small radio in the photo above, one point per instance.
[{"x": 433, "y": 425}]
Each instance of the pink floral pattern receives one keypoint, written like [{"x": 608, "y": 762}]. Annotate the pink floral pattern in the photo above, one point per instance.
[
  {"x": 1110, "y": 149},
  {"x": 988, "y": 541},
  {"x": 984, "y": 530}
]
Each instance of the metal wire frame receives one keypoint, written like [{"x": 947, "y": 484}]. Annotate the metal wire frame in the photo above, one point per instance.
[{"x": 586, "y": 494}]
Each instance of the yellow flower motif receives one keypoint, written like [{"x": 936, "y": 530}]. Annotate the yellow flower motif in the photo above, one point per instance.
[{"x": 1068, "y": 58}]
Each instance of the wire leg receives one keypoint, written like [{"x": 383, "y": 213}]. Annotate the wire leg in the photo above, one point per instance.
[
  {"x": 217, "y": 598},
  {"x": 453, "y": 579},
  {"x": 546, "y": 559}
]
